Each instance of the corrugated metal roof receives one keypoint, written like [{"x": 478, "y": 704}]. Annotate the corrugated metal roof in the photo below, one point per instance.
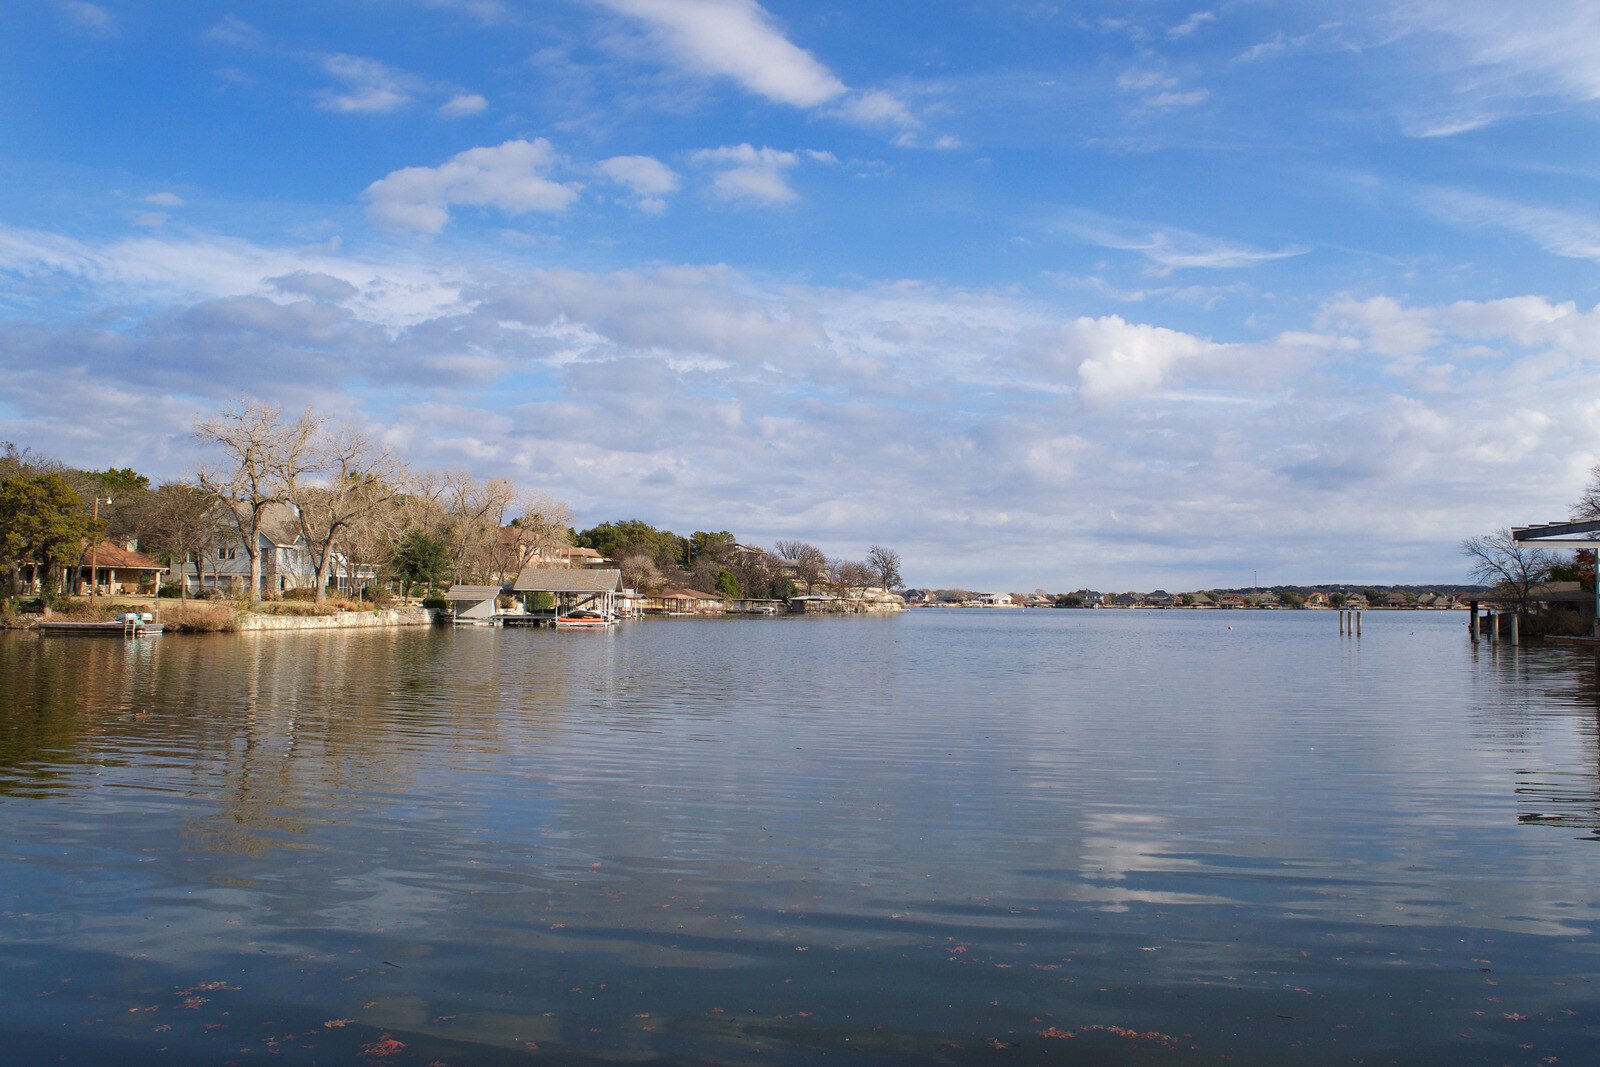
[
  {"x": 568, "y": 580},
  {"x": 472, "y": 592}
]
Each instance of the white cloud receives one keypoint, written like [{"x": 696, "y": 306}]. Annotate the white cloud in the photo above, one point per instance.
[
  {"x": 736, "y": 39},
  {"x": 649, "y": 179},
  {"x": 510, "y": 176},
  {"x": 752, "y": 174},
  {"x": 1132, "y": 442},
  {"x": 93, "y": 19},
  {"x": 164, "y": 199},
  {"x": 1118, "y": 360},
  {"x": 462, "y": 105}
]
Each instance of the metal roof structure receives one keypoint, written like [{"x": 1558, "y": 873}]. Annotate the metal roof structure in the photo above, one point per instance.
[
  {"x": 458, "y": 593},
  {"x": 1559, "y": 534},
  {"x": 568, "y": 580}
]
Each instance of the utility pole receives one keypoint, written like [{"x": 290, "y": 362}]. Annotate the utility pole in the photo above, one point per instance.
[{"x": 94, "y": 553}]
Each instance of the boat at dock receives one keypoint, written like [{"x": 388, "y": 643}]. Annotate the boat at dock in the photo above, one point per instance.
[{"x": 583, "y": 620}]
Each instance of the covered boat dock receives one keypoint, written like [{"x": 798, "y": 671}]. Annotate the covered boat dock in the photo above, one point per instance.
[{"x": 570, "y": 590}]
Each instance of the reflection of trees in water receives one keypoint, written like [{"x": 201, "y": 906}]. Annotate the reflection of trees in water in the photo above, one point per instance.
[{"x": 274, "y": 734}]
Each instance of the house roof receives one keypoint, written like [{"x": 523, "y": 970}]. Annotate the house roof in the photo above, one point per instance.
[
  {"x": 109, "y": 555},
  {"x": 458, "y": 593},
  {"x": 568, "y": 580}
]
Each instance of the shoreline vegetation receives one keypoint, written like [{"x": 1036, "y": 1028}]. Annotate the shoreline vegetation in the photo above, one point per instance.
[{"x": 286, "y": 510}]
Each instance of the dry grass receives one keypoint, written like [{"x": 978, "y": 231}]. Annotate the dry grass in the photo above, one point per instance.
[{"x": 198, "y": 617}]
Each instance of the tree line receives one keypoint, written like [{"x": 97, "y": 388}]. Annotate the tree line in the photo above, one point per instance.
[
  {"x": 654, "y": 559},
  {"x": 362, "y": 515}
]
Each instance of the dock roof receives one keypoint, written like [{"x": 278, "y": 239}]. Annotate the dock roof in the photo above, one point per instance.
[
  {"x": 458, "y": 593},
  {"x": 568, "y": 580}
]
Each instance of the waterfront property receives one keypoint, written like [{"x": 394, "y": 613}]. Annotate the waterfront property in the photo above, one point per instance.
[
  {"x": 286, "y": 562},
  {"x": 106, "y": 568}
]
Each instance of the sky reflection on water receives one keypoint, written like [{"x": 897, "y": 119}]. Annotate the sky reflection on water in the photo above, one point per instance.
[{"x": 950, "y": 836}]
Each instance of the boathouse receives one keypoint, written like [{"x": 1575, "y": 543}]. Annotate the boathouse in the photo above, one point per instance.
[
  {"x": 473, "y": 603},
  {"x": 569, "y": 589}
]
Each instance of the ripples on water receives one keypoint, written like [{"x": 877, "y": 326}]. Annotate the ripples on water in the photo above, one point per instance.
[{"x": 947, "y": 837}]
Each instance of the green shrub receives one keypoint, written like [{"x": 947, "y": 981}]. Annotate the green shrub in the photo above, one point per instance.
[{"x": 435, "y": 603}]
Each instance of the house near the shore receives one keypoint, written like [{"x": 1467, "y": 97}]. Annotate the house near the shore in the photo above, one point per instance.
[
  {"x": 1201, "y": 600},
  {"x": 286, "y": 562},
  {"x": 109, "y": 568},
  {"x": 996, "y": 600},
  {"x": 1317, "y": 599}
]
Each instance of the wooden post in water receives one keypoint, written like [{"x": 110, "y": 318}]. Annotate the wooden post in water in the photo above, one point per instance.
[
  {"x": 1358, "y": 622},
  {"x": 1341, "y": 622},
  {"x": 1515, "y": 637},
  {"x": 1472, "y": 622}
]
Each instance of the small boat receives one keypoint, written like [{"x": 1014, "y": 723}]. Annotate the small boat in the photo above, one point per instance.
[{"x": 583, "y": 619}]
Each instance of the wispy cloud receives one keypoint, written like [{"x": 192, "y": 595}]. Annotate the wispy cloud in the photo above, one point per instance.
[
  {"x": 755, "y": 175},
  {"x": 1190, "y": 24},
  {"x": 368, "y": 86},
  {"x": 92, "y": 19},
  {"x": 462, "y": 105},
  {"x": 1500, "y": 58},
  {"x": 1570, "y": 234},
  {"x": 1159, "y": 90},
  {"x": 1167, "y": 247}
]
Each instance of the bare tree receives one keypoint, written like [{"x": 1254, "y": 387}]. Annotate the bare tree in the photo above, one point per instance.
[
  {"x": 810, "y": 565},
  {"x": 542, "y": 527},
  {"x": 361, "y": 478},
  {"x": 639, "y": 571},
  {"x": 264, "y": 457},
  {"x": 182, "y": 524},
  {"x": 1588, "y": 505},
  {"x": 473, "y": 514},
  {"x": 885, "y": 565},
  {"x": 850, "y": 575},
  {"x": 1508, "y": 566}
]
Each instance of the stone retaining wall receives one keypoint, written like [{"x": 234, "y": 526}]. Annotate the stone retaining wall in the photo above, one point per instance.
[{"x": 344, "y": 620}]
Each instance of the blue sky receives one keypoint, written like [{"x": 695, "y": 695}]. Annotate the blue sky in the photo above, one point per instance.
[{"x": 1043, "y": 294}]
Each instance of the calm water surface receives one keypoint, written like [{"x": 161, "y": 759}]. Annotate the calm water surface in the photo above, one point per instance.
[{"x": 957, "y": 837}]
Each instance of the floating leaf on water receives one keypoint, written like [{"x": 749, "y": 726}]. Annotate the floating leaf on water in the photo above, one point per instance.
[{"x": 383, "y": 1047}]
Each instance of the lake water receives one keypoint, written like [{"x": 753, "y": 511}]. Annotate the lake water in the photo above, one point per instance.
[{"x": 948, "y": 836}]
